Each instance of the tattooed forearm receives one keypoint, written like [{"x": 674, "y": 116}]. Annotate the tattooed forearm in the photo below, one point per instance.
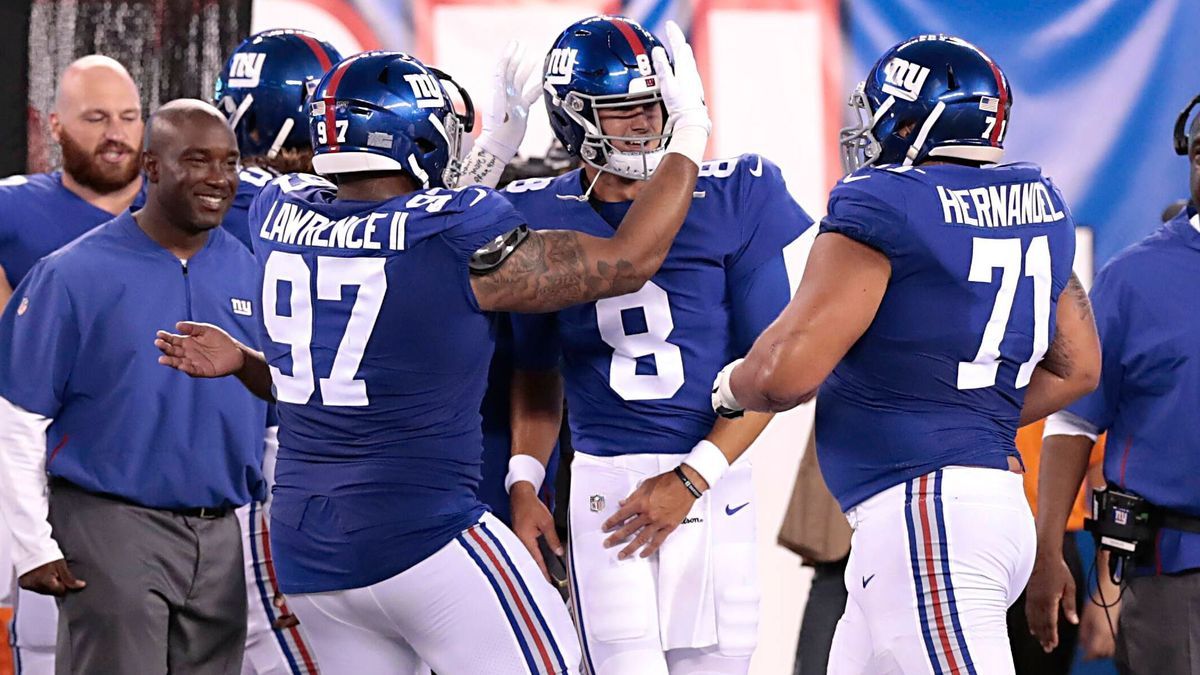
[
  {"x": 1058, "y": 359},
  {"x": 554, "y": 269},
  {"x": 481, "y": 168},
  {"x": 1074, "y": 291}
]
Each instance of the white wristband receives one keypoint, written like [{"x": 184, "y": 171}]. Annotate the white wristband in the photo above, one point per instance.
[
  {"x": 524, "y": 468},
  {"x": 708, "y": 461},
  {"x": 689, "y": 141},
  {"x": 722, "y": 394}
]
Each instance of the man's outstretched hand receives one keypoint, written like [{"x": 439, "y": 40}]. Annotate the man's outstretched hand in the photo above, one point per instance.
[{"x": 200, "y": 350}]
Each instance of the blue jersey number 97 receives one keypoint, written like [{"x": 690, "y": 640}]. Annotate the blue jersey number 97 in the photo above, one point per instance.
[{"x": 341, "y": 388}]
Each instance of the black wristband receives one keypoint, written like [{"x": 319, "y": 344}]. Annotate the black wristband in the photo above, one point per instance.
[{"x": 687, "y": 482}]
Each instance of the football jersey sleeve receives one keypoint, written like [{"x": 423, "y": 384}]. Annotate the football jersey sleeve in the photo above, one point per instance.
[
  {"x": 480, "y": 215},
  {"x": 1109, "y": 306},
  {"x": 535, "y": 341},
  {"x": 39, "y": 341},
  {"x": 758, "y": 272},
  {"x": 859, "y": 211}
]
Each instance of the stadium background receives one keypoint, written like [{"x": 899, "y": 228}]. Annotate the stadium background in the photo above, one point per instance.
[{"x": 1097, "y": 85}]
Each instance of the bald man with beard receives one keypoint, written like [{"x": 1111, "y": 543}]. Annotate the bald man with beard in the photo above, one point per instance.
[
  {"x": 119, "y": 478},
  {"x": 97, "y": 120}
]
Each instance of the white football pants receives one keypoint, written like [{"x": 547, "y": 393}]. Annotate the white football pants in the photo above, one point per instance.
[
  {"x": 689, "y": 609},
  {"x": 478, "y": 605},
  {"x": 934, "y": 565}
]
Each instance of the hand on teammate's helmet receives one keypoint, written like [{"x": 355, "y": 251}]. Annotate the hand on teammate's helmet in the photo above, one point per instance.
[
  {"x": 516, "y": 86},
  {"x": 681, "y": 88}
]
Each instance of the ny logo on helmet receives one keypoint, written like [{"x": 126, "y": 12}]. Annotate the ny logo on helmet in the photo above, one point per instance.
[
  {"x": 559, "y": 65},
  {"x": 904, "y": 79},
  {"x": 246, "y": 69},
  {"x": 426, "y": 89}
]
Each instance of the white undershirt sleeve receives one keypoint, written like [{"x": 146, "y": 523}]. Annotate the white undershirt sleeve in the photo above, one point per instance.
[
  {"x": 23, "y": 487},
  {"x": 1063, "y": 423}
]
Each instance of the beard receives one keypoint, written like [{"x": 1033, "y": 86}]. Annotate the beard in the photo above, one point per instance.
[{"x": 86, "y": 167}]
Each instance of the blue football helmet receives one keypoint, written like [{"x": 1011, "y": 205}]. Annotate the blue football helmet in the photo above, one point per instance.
[
  {"x": 387, "y": 111},
  {"x": 929, "y": 96},
  {"x": 603, "y": 62},
  {"x": 265, "y": 84}
]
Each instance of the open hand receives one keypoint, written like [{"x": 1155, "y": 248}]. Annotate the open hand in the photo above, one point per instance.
[
  {"x": 651, "y": 513},
  {"x": 200, "y": 350}
]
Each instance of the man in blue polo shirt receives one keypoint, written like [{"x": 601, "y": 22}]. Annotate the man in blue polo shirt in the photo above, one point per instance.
[
  {"x": 1145, "y": 301},
  {"x": 97, "y": 120},
  {"x": 144, "y": 466}
]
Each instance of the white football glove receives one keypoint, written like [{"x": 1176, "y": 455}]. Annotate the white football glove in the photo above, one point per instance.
[
  {"x": 683, "y": 96},
  {"x": 723, "y": 402},
  {"x": 516, "y": 85}
]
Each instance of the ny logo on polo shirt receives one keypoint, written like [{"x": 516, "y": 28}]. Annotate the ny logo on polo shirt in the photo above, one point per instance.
[{"x": 242, "y": 307}]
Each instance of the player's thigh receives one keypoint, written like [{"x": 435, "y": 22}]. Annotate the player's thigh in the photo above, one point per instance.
[
  {"x": 615, "y": 601},
  {"x": 35, "y": 620},
  {"x": 735, "y": 560},
  {"x": 485, "y": 588},
  {"x": 935, "y": 565},
  {"x": 851, "y": 649},
  {"x": 349, "y": 635}
]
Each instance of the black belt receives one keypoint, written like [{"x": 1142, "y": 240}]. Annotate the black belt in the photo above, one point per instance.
[{"x": 205, "y": 512}]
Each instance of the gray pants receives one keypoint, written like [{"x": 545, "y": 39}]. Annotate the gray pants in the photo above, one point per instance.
[
  {"x": 1159, "y": 631},
  {"x": 165, "y": 593}
]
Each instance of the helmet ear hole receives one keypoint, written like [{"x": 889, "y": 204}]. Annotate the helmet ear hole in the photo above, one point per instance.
[
  {"x": 951, "y": 80},
  {"x": 425, "y": 145}
]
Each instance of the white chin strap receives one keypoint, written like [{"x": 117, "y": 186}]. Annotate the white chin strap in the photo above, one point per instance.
[{"x": 635, "y": 165}]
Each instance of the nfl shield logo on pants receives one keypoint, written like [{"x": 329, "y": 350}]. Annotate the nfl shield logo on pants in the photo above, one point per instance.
[{"x": 597, "y": 503}]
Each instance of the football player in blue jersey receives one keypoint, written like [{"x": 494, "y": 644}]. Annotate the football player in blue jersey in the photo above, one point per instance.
[
  {"x": 97, "y": 121},
  {"x": 262, "y": 91},
  {"x": 637, "y": 370},
  {"x": 938, "y": 312},
  {"x": 376, "y": 300}
]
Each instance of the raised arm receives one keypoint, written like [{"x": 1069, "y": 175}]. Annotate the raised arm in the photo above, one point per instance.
[
  {"x": 550, "y": 270},
  {"x": 1071, "y": 366}
]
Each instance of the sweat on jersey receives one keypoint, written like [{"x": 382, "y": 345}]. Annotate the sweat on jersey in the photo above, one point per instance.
[
  {"x": 77, "y": 346},
  {"x": 39, "y": 215},
  {"x": 1146, "y": 300},
  {"x": 638, "y": 368},
  {"x": 979, "y": 257},
  {"x": 379, "y": 355}
]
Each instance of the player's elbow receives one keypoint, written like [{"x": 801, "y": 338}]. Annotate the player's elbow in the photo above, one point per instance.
[{"x": 783, "y": 382}]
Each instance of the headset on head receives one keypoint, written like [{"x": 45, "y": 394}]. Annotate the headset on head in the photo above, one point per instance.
[{"x": 1181, "y": 135}]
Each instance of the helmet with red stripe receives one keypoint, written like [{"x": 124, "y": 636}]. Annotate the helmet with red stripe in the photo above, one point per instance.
[
  {"x": 603, "y": 62},
  {"x": 387, "y": 111},
  {"x": 928, "y": 97},
  {"x": 265, "y": 84}
]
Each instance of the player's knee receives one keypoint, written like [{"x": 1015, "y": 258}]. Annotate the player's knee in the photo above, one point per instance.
[
  {"x": 642, "y": 661},
  {"x": 616, "y": 609},
  {"x": 706, "y": 661}
]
